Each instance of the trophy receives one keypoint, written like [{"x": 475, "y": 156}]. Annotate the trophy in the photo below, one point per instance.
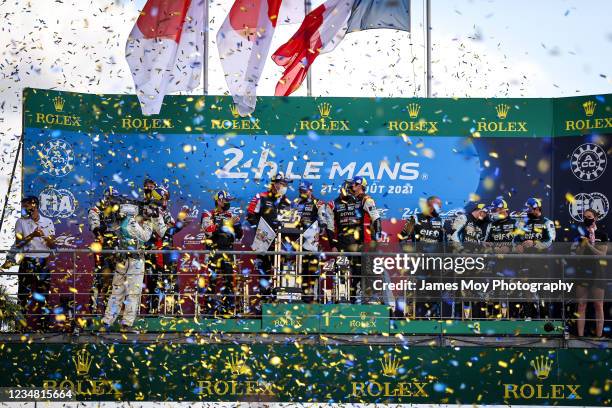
[{"x": 287, "y": 279}]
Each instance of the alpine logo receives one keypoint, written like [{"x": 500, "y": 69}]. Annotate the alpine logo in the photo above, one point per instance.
[
  {"x": 588, "y": 161},
  {"x": 586, "y": 201}
]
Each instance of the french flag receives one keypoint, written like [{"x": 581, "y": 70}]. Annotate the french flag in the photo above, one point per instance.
[
  {"x": 164, "y": 50},
  {"x": 324, "y": 28},
  {"x": 244, "y": 41}
]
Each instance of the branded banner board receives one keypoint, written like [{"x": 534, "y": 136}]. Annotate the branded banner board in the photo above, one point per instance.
[
  {"x": 313, "y": 373},
  {"x": 75, "y": 145}
]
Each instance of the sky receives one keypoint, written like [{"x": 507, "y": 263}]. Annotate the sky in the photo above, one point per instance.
[{"x": 480, "y": 48}]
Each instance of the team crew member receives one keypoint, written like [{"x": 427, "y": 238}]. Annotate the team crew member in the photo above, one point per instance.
[
  {"x": 501, "y": 230},
  {"x": 591, "y": 273},
  {"x": 535, "y": 235},
  {"x": 537, "y": 232},
  {"x": 222, "y": 229},
  {"x": 469, "y": 229},
  {"x": 33, "y": 232},
  {"x": 468, "y": 236},
  {"x": 426, "y": 231},
  {"x": 153, "y": 208},
  {"x": 427, "y": 226},
  {"x": 166, "y": 287},
  {"x": 310, "y": 210},
  {"x": 346, "y": 230},
  {"x": 268, "y": 205},
  {"x": 371, "y": 230},
  {"x": 371, "y": 223},
  {"x": 136, "y": 230},
  {"x": 356, "y": 222},
  {"x": 499, "y": 239},
  {"x": 104, "y": 223}
]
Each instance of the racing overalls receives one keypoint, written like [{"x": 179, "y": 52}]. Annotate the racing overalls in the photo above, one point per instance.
[
  {"x": 221, "y": 232},
  {"x": 129, "y": 273}
]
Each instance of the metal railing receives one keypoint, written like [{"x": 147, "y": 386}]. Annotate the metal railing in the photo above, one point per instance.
[{"x": 188, "y": 284}]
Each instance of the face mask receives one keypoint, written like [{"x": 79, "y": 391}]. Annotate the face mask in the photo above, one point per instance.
[
  {"x": 225, "y": 206},
  {"x": 282, "y": 191},
  {"x": 531, "y": 216},
  {"x": 589, "y": 221}
]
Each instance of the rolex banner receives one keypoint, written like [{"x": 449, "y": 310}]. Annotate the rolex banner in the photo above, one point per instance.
[
  {"x": 324, "y": 373},
  {"x": 76, "y": 145}
]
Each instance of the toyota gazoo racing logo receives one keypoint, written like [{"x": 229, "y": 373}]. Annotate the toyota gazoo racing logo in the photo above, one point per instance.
[
  {"x": 588, "y": 161},
  {"x": 57, "y": 203},
  {"x": 586, "y": 201},
  {"x": 57, "y": 158}
]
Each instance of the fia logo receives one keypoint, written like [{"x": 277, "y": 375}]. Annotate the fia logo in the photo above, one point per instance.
[
  {"x": 57, "y": 203},
  {"x": 589, "y": 162},
  {"x": 585, "y": 201},
  {"x": 57, "y": 158}
]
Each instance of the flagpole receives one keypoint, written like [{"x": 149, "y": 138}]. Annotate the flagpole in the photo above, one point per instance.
[
  {"x": 205, "y": 50},
  {"x": 10, "y": 186},
  {"x": 307, "y": 7},
  {"x": 427, "y": 12}
]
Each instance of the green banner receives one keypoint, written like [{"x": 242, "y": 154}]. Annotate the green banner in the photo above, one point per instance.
[
  {"x": 477, "y": 117},
  {"x": 323, "y": 372}
]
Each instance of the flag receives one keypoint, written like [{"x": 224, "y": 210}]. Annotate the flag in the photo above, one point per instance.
[
  {"x": 164, "y": 50},
  {"x": 244, "y": 41},
  {"x": 264, "y": 236},
  {"x": 311, "y": 237},
  {"x": 324, "y": 28}
]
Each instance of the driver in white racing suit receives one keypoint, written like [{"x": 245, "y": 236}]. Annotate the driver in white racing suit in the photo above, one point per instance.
[{"x": 129, "y": 272}]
